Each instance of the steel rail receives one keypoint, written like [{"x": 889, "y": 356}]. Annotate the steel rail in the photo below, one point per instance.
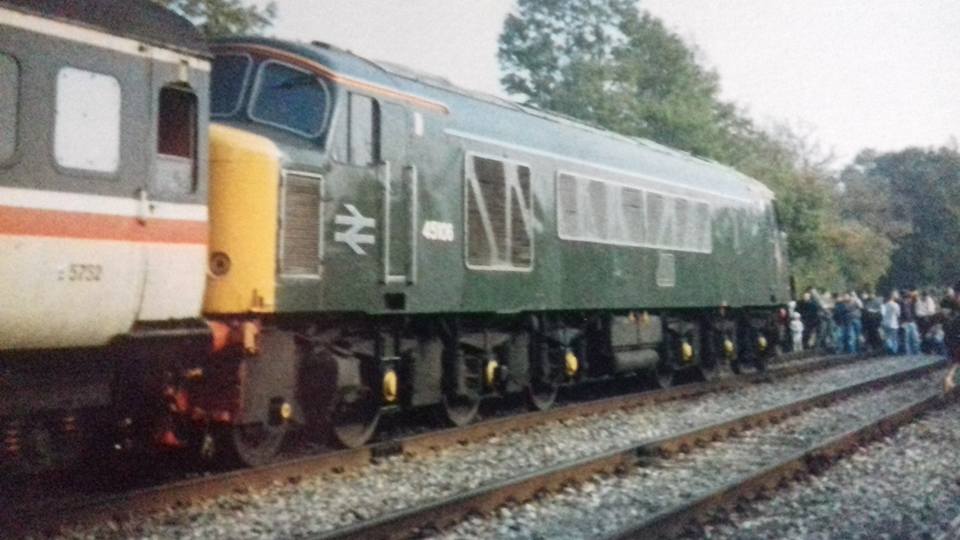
[
  {"x": 813, "y": 459},
  {"x": 446, "y": 511},
  {"x": 27, "y": 518}
]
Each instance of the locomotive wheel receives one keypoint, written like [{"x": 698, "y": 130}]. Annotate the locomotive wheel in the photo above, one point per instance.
[
  {"x": 760, "y": 362},
  {"x": 354, "y": 417},
  {"x": 754, "y": 358},
  {"x": 460, "y": 410},
  {"x": 720, "y": 362},
  {"x": 255, "y": 444},
  {"x": 735, "y": 366},
  {"x": 542, "y": 395},
  {"x": 662, "y": 375},
  {"x": 543, "y": 387},
  {"x": 709, "y": 370},
  {"x": 461, "y": 402}
]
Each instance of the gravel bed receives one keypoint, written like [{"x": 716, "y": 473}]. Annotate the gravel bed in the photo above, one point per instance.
[
  {"x": 905, "y": 486},
  {"x": 608, "y": 503},
  {"x": 330, "y": 501}
]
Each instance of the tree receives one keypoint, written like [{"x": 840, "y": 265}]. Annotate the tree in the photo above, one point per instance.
[
  {"x": 608, "y": 64},
  {"x": 913, "y": 198},
  {"x": 217, "y": 18},
  {"x": 605, "y": 63}
]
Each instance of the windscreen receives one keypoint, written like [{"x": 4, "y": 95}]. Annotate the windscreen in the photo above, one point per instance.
[{"x": 290, "y": 98}]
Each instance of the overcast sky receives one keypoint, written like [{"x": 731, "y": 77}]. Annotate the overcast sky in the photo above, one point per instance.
[{"x": 883, "y": 74}]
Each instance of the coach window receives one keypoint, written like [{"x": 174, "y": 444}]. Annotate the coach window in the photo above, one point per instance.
[
  {"x": 176, "y": 140},
  {"x": 363, "y": 136},
  {"x": 9, "y": 94},
  {"x": 87, "y": 127}
]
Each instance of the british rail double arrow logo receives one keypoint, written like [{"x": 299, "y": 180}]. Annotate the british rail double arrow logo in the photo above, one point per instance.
[{"x": 357, "y": 222}]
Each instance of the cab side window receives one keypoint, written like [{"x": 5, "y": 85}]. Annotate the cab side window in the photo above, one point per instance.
[
  {"x": 9, "y": 94},
  {"x": 87, "y": 131},
  {"x": 177, "y": 140},
  {"x": 363, "y": 130}
]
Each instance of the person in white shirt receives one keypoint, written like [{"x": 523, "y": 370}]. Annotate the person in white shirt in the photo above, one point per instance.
[
  {"x": 891, "y": 323},
  {"x": 926, "y": 309},
  {"x": 796, "y": 331}
]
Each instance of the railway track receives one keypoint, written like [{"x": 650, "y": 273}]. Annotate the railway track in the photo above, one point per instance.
[
  {"x": 97, "y": 509},
  {"x": 443, "y": 513}
]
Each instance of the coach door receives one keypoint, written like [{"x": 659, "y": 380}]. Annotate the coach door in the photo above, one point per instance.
[
  {"x": 173, "y": 205},
  {"x": 400, "y": 198}
]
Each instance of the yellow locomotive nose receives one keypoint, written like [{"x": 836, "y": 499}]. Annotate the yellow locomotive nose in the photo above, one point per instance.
[
  {"x": 686, "y": 352},
  {"x": 243, "y": 201}
]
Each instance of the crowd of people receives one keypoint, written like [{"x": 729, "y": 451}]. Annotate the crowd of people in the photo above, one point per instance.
[{"x": 904, "y": 322}]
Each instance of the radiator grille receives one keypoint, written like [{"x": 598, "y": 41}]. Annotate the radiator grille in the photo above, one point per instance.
[{"x": 301, "y": 225}]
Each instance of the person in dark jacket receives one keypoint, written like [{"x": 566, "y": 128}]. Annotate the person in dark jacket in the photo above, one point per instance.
[
  {"x": 872, "y": 306},
  {"x": 809, "y": 314},
  {"x": 841, "y": 317},
  {"x": 951, "y": 336},
  {"x": 908, "y": 322}
]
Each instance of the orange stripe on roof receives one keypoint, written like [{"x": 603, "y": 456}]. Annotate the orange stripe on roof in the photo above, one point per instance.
[
  {"x": 339, "y": 78},
  {"x": 58, "y": 224}
]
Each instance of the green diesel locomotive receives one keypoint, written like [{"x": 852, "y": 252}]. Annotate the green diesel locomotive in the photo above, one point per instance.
[{"x": 382, "y": 240}]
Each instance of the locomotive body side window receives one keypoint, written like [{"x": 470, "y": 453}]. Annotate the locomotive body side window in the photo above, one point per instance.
[
  {"x": 634, "y": 222},
  {"x": 703, "y": 233},
  {"x": 596, "y": 201},
  {"x": 228, "y": 78},
  {"x": 87, "y": 127},
  {"x": 609, "y": 212},
  {"x": 363, "y": 130},
  {"x": 499, "y": 221},
  {"x": 9, "y": 95},
  {"x": 177, "y": 140},
  {"x": 568, "y": 214},
  {"x": 290, "y": 98},
  {"x": 682, "y": 214}
]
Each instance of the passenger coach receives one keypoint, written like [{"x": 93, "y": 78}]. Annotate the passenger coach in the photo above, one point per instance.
[{"x": 103, "y": 217}]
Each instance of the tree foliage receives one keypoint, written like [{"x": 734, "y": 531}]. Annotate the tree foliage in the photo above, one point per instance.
[
  {"x": 912, "y": 198},
  {"x": 604, "y": 62},
  {"x": 217, "y": 18},
  {"x": 608, "y": 64}
]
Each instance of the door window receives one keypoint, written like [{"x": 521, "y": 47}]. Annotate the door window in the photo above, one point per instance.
[
  {"x": 177, "y": 140},
  {"x": 364, "y": 130}
]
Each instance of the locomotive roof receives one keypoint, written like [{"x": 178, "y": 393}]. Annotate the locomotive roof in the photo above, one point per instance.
[
  {"x": 495, "y": 120},
  {"x": 143, "y": 20}
]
